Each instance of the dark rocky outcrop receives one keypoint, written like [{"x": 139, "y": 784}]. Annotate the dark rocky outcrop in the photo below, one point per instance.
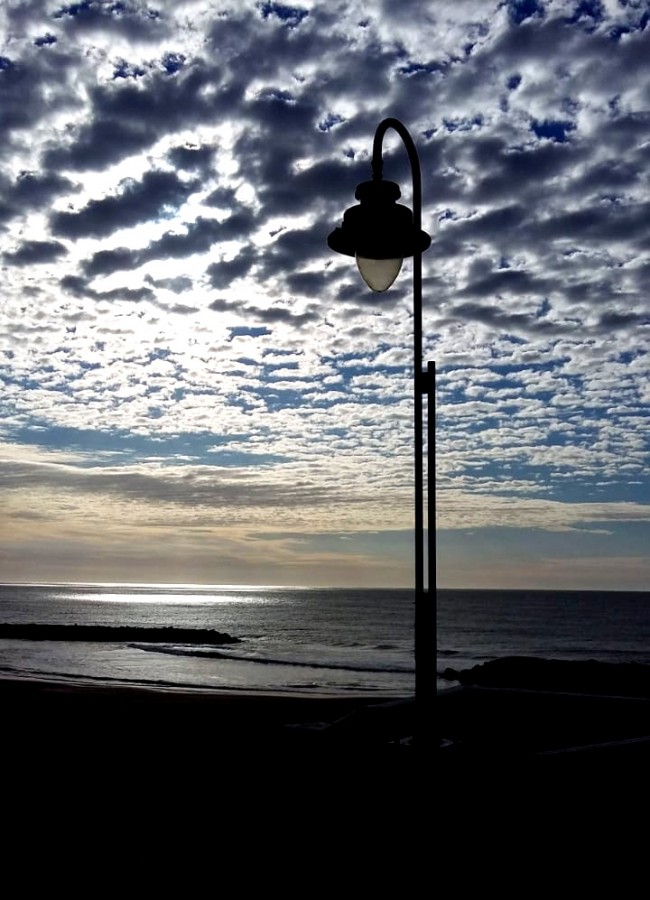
[
  {"x": 573, "y": 676},
  {"x": 118, "y": 634}
]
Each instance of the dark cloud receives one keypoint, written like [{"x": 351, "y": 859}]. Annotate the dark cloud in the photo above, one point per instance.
[
  {"x": 222, "y": 197},
  {"x": 34, "y": 189},
  {"x": 615, "y": 321},
  {"x": 294, "y": 249},
  {"x": 506, "y": 281},
  {"x": 127, "y": 117},
  {"x": 503, "y": 170},
  {"x": 104, "y": 262},
  {"x": 31, "y": 191},
  {"x": 222, "y": 274},
  {"x": 33, "y": 252},
  {"x": 273, "y": 315},
  {"x": 199, "y": 237},
  {"x": 26, "y": 88},
  {"x": 178, "y": 285},
  {"x": 309, "y": 284},
  {"x": 608, "y": 175},
  {"x": 504, "y": 321},
  {"x": 79, "y": 287},
  {"x": 192, "y": 158},
  {"x": 137, "y": 202},
  {"x": 279, "y": 48},
  {"x": 19, "y": 95},
  {"x": 603, "y": 223},
  {"x": 490, "y": 226},
  {"x": 309, "y": 188},
  {"x": 99, "y": 143}
]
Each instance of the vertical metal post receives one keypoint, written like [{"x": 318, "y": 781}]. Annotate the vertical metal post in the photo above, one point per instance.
[{"x": 430, "y": 624}]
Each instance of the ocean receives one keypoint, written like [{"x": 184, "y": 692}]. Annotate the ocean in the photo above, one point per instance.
[{"x": 313, "y": 641}]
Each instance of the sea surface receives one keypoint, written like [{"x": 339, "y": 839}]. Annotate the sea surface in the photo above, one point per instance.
[
  {"x": 309, "y": 640},
  {"x": 477, "y": 626}
]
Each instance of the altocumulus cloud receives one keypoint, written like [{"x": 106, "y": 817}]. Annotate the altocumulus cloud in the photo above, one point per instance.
[{"x": 178, "y": 340}]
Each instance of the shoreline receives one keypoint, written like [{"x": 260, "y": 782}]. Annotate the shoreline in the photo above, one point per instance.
[
  {"x": 552, "y": 720},
  {"x": 469, "y": 722},
  {"x": 202, "y": 721}
]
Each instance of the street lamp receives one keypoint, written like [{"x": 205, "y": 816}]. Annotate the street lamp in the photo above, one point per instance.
[{"x": 380, "y": 233}]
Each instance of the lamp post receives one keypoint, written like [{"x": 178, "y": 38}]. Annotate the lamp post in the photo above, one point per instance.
[{"x": 380, "y": 233}]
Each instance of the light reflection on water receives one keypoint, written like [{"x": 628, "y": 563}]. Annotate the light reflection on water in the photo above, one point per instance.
[
  {"x": 168, "y": 599},
  {"x": 320, "y": 640}
]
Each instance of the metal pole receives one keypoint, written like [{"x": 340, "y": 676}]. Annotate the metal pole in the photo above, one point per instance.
[
  {"x": 424, "y": 651},
  {"x": 429, "y": 623}
]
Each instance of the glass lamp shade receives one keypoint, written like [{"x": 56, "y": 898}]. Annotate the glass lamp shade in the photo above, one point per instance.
[
  {"x": 379, "y": 232},
  {"x": 378, "y": 274}
]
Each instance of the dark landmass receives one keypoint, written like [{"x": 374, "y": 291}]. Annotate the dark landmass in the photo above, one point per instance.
[
  {"x": 119, "y": 634},
  {"x": 577, "y": 676},
  {"x": 519, "y": 708}
]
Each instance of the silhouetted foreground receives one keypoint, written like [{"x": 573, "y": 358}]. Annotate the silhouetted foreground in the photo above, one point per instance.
[
  {"x": 582, "y": 676},
  {"x": 518, "y": 711},
  {"x": 526, "y": 708},
  {"x": 217, "y": 720}
]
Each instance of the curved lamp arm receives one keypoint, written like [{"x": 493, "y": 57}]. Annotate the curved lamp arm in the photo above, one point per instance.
[
  {"x": 416, "y": 177},
  {"x": 424, "y": 617}
]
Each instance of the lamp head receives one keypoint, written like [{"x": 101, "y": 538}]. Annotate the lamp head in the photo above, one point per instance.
[{"x": 379, "y": 232}]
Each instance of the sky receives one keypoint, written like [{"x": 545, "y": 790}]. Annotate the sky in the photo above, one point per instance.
[{"x": 195, "y": 389}]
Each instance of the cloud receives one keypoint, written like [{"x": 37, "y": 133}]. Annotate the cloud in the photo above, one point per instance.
[
  {"x": 78, "y": 286},
  {"x": 168, "y": 177},
  {"x": 192, "y": 158},
  {"x": 198, "y": 237},
  {"x": 34, "y": 252},
  {"x": 32, "y": 190},
  {"x": 135, "y": 21},
  {"x": 126, "y": 118},
  {"x": 156, "y": 194}
]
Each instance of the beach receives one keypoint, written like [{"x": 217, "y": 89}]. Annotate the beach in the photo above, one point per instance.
[
  {"x": 323, "y": 780},
  {"x": 219, "y": 721},
  {"x": 469, "y": 725},
  {"x": 250, "y": 787}
]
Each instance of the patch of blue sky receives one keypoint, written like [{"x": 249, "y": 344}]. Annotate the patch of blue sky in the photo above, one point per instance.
[
  {"x": 553, "y": 129},
  {"x": 520, "y": 10},
  {"x": 556, "y": 481},
  {"x": 348, "y": 366},
  {"x": 248, "y": 331},
  {"x": 271, "y": 368},
  {"x": 588, "y": 539},
  {"x": 568, "y": 487},
  {"x": 123, "y": 448},
  {"x": 292, "y": 16},
  {"x": 276, "y": 399}
]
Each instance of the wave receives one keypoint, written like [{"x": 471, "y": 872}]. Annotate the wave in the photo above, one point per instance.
[
  {"x": 213, "y": 653},
  {"x": 73, "y": 679}
]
